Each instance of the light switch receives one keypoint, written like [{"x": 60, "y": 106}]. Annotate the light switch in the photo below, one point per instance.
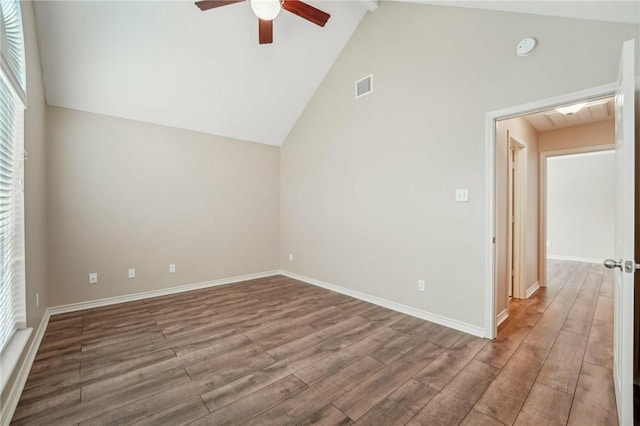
[{"x": 462, "y": 195}]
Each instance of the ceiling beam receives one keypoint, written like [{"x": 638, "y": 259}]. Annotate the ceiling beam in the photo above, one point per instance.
[{"x": 370, "y": 5}]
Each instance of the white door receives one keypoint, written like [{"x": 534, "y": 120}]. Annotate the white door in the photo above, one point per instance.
[{"x": 625, "y": 236}]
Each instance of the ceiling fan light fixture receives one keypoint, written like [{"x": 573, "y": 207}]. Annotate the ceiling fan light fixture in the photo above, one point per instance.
[
  {"x": 266, "y": 9},
  {"x": 571, "y": 109}
]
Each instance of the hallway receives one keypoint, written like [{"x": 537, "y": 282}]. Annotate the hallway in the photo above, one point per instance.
[{"x": 556, "y": 352}]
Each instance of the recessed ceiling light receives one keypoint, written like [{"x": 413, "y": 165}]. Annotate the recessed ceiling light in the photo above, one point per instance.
[{"x": 571, "y": 109}]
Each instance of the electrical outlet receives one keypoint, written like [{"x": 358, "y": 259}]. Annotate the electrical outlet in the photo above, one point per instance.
[
  {"x": 290, "y": 257},
  {"x": 172, "y": 268},
  {"x": 420, "y": 285},
  {"x": 37, "y": 300},
  {"x": 93, "y": 278},
  {"x": 132, "y": 273}
]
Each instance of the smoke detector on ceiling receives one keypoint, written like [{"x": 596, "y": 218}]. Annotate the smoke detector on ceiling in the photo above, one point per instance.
[{"x": 526, "y": 46}]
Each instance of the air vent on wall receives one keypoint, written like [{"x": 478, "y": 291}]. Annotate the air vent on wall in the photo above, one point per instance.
[{"x": 364, "y": 86}]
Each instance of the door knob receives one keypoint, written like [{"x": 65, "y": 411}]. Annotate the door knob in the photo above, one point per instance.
[{"x": 610, "y": 263}]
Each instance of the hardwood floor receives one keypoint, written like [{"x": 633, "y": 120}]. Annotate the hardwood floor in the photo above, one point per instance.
[{"x": 277, "y": 351}]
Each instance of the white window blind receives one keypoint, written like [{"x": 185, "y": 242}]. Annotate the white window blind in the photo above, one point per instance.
[
  {"x": 12, "y": 288},
  {"x": 12, "y": 51},
  {"x": 12, "y": 95}
]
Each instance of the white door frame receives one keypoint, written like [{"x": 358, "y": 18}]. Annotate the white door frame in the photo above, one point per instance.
[
  {"x": 516, "y": 235},
  {"x": 490, "y": 328}
]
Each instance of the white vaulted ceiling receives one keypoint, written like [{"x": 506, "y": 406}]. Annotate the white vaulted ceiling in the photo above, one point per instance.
[
  {"x": 622, "y": 11},
  {"x": 168, "y": 63}
]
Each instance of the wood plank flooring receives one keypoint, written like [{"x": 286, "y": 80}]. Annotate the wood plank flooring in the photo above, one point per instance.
[{"x": 276, "y": 351}]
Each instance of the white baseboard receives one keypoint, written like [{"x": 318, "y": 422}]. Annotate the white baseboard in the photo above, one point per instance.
[
  {"x": 418, "y": 313},
  {"x": 15, "y": 390},
  {"x": 534, "y": 287},
  {"x": 502, "y": 316},
  {"x": 157, "y": 293},
  {"x": 576, "y": 259}
]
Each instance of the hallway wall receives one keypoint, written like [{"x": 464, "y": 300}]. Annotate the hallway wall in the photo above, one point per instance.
[
  {"x": 520, "y": 129},
  {"x": 581, "y": 206}
]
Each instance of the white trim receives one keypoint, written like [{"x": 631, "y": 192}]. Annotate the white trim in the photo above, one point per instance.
[
  {"x": 534, "y": 287},
  {"x": 490, "y": 294},
  {"x": 542, "y": 219},
  {"x": 502, "y": 316},
  {"x": 12, "y": 353},
  {"x": 576, "y": 259},
  {"x": 156, "y": 293},
  {"x": 13, "y": 395},
  {"x": 516, "y": 241},
  {"x": 551, "y": 103},
  {"x": 589, "y": 153},
  {"x": 418, "y": 313},
  {"x": 580, "y": 151},
  {"x": 490, "y": 209}
]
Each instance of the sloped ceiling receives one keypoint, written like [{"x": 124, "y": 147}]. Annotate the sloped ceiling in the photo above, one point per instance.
[
  {"x": 593, "y": 112},
  {"x": 620, "y": 11},
  {"x": 168, "y": 63}
]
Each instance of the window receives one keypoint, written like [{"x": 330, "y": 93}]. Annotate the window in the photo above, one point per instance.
[
  {"x": 12, "y": 47},
  {"x": 12, "y": 105},
  {"x": 12, "y": 315}
]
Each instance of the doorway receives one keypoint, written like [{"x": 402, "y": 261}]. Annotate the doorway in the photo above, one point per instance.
[
  {"x": 577, "y": 202},
  {"x": 626, "y": 187},
  {"x": 524, "y": 143},
  {"x": 491, "y": 275},
  {"x": 516, "y": 216}
]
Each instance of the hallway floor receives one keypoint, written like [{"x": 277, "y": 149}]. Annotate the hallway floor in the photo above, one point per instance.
[{"x": 556, "y": 352}]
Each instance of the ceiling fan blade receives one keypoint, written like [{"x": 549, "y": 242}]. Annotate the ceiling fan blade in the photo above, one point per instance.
[
  {"x": 265, "y": 31},
  {"x": 306, "y": 11},
  {"x": 210, "y": 4}
]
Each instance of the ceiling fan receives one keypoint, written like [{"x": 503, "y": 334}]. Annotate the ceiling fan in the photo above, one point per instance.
[{"x": 267, "y": 10}]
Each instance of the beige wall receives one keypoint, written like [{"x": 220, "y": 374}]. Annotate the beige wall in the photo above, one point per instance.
[
  {"x": 601, "y": 133},
  {"x": 125, "y": 194},
  {"x": 367, "y": 186},
  {"x": 35, "y": 183},
  {"x": 520, "y": 129},
  {"x": 35, "y": 194}
]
